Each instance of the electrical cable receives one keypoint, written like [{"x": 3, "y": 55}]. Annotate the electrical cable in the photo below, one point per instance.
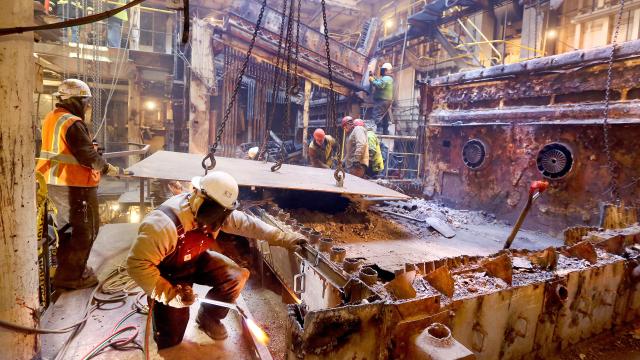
[
  {"x": 119, "y": 65},
  {"x": 70, "y": 23}
]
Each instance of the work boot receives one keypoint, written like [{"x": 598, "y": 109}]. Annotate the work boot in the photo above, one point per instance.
[
  {"x": 87, "y": 280},
  {"x": 215, "y": 329}
]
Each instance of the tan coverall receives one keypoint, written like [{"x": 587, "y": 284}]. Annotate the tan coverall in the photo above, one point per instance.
[
  {"x": 160, "y": 259},
  {"x": 357, "y": 151}
]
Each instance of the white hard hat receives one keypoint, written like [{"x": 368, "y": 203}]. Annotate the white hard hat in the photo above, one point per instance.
[
  {"x": 253, "y": 152},
  {"x": 73, "y": 88},
  {"x": 218, "y": 186},
  {"x": 387, "y": 66}
]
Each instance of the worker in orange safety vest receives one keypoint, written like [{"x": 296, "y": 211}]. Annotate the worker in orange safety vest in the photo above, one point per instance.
[{"x": 72, "y": 167}]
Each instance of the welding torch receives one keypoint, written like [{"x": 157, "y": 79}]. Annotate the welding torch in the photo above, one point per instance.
[
  {"x": 224, "y": 305},
  {"x": 255, "y": 330},
  {"x": 535, "y": 190}
]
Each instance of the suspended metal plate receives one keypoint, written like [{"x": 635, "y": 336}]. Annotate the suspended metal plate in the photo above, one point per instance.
[{"x": 167, "y": 165}]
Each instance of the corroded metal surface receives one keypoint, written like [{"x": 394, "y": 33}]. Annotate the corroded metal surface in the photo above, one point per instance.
[
  {"x": 544, "y": 311},
  {"x": 518, "y": 109},
  {"x": 513, "y": 304}
]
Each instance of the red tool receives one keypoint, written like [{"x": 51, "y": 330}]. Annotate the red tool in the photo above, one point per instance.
[{"x": 535, "y": 190}]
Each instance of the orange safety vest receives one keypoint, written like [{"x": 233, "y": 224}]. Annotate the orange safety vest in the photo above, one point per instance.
[{"x": 56, "y": 162}]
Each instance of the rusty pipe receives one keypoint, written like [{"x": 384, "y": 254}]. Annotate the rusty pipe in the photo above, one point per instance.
[{"x": 535, "y": 190}]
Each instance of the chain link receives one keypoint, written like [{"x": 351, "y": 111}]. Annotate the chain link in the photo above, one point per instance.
[
  {"x": 339, "y": 174},
  {"x": 212, "y": 150},
  {"x": 615, "y": 193},
  {"x": 275, "y": 88},
  {"x": 295, "y": 88},
  {"x": 287, "y": 108}
]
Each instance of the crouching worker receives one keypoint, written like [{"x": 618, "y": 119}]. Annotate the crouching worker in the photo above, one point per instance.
[{"x": 172, "y": 251}]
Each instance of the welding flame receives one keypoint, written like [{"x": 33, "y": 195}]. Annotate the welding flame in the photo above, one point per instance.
[
  {"x": 257, "y": 332},
  {"x": 296, "y": 299}
]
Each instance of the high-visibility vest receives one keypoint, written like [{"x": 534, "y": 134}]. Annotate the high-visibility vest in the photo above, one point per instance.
[
  {"x": 376, "y": 162},
  {"x": 56, "y": 162}
]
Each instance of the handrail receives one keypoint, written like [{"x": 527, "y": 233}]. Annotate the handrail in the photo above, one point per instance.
[
  {"x": 500, "y": 42},
  {"x": 493, "y": 48}
]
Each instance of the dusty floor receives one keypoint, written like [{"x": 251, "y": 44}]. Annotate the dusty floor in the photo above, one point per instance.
[
  {"x": 624, "y": 344},
  {"x": 390, "y": 241},
  {"x": 109, "y": 251}
]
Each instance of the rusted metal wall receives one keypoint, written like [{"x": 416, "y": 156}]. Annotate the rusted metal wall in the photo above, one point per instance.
[{"x": 515, "y": 110}]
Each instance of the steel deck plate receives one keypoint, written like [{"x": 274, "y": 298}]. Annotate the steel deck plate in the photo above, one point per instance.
[{"x": 167, "y": 165}]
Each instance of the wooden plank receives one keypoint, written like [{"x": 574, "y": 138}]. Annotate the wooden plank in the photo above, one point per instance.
[{"x": 169, "y": 165}]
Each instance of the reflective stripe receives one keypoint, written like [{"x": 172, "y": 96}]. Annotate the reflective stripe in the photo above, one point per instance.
[
  {"x": 56, "y": 131},
  {"x": 63, "y": 158}
]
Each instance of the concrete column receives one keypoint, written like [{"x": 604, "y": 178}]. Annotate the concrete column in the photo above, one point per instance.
[
  {"x": 532, "y": 32},
  {"x": 305, "y": 118},
  {"x": 18, "y": 239}
]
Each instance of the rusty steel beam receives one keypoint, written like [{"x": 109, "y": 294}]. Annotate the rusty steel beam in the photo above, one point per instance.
[
  {"x": 574, "y": 59},
  {"x": 348, "y": 64}
]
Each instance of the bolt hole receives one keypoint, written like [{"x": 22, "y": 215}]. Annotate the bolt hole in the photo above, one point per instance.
[
  {"x": 439, "y": 331},
  {"x": 369, "y": 271},
  {"x": 562, "y": 292}
]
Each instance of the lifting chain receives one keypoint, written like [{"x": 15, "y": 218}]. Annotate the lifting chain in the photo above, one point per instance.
[
  {"x": 210, "y": 157},
  {"x": 615, "y": 193},
  {"x": 288, "y": 77},
  {"x": 295, "y": 88},
  {"x": 339, "y": 174},
  {"x": 274, "y": 91}
]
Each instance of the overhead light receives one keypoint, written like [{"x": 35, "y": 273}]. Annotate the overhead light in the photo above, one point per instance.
[
  {"x": 551, "y": 34},
  {"x": 389, "y": 23},
  {"x": 150, "y": 105},
  {"x": 134, "y": 215}
]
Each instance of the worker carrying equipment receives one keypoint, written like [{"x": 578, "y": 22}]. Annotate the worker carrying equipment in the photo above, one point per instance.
[
  {"x": 71, "y": 167},
  {"x": 321, "y": 149},
  {"x": 356, "y": 148},
  {"x": 382, "y": 89},
  {"x": 173, "y": 251},
  {"x": 376, "y": 161}
]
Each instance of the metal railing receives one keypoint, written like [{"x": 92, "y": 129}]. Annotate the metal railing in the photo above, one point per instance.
[{"x": 401, "y": 158}]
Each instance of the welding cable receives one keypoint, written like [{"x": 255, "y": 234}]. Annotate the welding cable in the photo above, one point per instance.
[
  {"x": 119, "y": 281},
  {"x": 77, "y": 326},
  {"x": 20, "y": 328},
  {"x": 139, "y": 306},
  {"x": 90, "y": 307},
  {"x": 147, "y": 330},
  {"x": 113, "y": 341}
]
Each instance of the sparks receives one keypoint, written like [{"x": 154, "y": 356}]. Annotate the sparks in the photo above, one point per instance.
[{"x": 257, "y": 332}]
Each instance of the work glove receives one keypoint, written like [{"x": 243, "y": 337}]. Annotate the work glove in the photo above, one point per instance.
[
  {"x": 117, "y": 172},
  {"x": 113, "y": 170},
  {"x": 184, "y": 296},
  {"x": 290, "y": 241}
]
